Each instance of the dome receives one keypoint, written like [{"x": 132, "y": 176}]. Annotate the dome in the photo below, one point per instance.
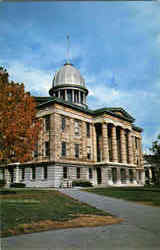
[{"x": 68, "y": 75}]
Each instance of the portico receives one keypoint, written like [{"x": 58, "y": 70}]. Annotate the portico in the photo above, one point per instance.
[{"x": 118, "y": 150}]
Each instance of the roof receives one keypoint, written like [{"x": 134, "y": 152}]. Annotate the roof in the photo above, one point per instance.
[
  {"x": 124, "y": 115},
  {"x": 42, "y": 99},
  {"x": 67, "y": 75}
]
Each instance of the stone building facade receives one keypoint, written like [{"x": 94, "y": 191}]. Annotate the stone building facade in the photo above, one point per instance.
[{"x": 102, "y": 146}]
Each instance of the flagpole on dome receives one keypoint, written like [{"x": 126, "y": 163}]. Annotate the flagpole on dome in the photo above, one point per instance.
[{"x": 67, "y": 54}]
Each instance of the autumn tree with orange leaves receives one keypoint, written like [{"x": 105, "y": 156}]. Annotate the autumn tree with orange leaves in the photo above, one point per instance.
[{"x": 19, "y": 127}]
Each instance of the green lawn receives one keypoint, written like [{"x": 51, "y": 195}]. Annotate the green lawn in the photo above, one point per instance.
[
  {"x": 149, "y": 196},
  {"x": 27, "y": 206}
]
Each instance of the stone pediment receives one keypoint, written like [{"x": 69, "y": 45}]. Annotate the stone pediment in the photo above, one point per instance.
[
  {"x": 118, "y": 112},
  {"x": 121, "y": 112}
]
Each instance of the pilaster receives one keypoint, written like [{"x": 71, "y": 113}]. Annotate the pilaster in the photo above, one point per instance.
[
  {"x": 53, "y": 140},
  {"x": 84, "y": 150},
  {"x": 17, "y": 173},
  {"x": 127, "y": 176},
  {"x": 134, "y": 176},
  {"x": 94, "y": 141}
]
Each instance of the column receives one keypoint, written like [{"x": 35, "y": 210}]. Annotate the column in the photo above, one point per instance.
[
  {"x": 79, "y": 96},
  {"x": 130, "y": 149},
  {"x": 105, "y": 153},
  {"x": 140, "y": 151},
  {"x": 7, "y": 177},
  {"x": 114, "y": 145},
  {"x": 134, "y": 149},
  {"x": 123, "y": 146},
  {"x": 58, "y": 93}
]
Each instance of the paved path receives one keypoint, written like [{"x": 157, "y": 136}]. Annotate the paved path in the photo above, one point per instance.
[
  {"x": 139, "y": 231},
  {"x": 142, "y": 216}
]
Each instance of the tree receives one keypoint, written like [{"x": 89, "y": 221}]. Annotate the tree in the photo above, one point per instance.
[
  {"x": 154, "y": 159},
  {"x": 19, "y": 127}
]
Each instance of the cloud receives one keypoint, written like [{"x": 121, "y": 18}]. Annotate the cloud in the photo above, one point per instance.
[
  {"x": 35, "y": 81},
  {"x": 115, "y": 46}
]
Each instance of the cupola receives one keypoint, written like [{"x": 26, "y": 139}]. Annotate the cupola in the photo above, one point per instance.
[{"x": 69, "y": 85}]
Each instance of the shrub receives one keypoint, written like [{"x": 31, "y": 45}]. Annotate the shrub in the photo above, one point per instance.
[
  {"x": 17, "y": 185},
  {"x": 3, "y": 192},
  {"x": 2, "y": 183},
  {"x": 81, "y": 183}
]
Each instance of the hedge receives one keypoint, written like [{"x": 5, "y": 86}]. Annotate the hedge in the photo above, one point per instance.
[
  {"x": 2, "y": 183},
  {"x": 17, "y": 185},
  {"x": 81, "y": 183}
]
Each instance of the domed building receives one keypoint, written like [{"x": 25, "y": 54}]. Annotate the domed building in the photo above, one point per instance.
[{"x": 101, "y": 146}]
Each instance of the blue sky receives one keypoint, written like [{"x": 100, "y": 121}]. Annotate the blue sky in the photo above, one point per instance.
[{"x": 115, "y": 45}]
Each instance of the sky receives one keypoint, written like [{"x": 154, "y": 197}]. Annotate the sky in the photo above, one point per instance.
[{"x": 115, "y": 45}]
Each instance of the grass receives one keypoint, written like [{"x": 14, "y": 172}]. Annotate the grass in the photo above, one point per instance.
[
  {"x": 144, "y": 195},
  {"x": 27, "y": 210}
]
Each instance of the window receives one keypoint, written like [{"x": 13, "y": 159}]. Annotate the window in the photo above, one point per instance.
[
  {"x": 90, "y": 173},
  {"x": 47, "y": 149},
  {"x": 78, "y": 173},
  {"x": 69, "y": 95},
  {"x": 33, "y": 176},
  {"x": 47, "y": 123},
  {"x": 1, "y": 174},
  {"x": 77, "y": 150},
  {"x": 81, "y": 98},
  {"x": 64, "y": 172},
  {"x": 63, "y": 152},
  {"x": 136, "y": 142},
  {"x": 36, "y": 150},
  {"x": 88, "y": 153},
  {"x": 62, "y": 94},
  {"x": 88, "y": 129},
  {"x": 23, "y": 173},
  {"x": 63, "y": 123},
  {"x": 76, "y": 127},
  {"x": 45, "y": 172}
]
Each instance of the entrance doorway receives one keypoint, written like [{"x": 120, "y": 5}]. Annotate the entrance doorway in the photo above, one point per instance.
[
  {"x": 11, "y": 175},
  {"x": 114, "y": 175},
  {"x": 99, "y": 175}
]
